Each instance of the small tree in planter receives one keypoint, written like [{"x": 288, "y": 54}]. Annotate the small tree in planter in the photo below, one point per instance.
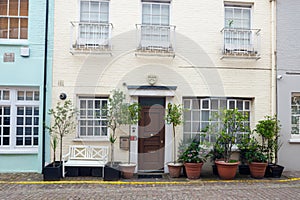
[
  {"x": 233, "y": 123},
  {"x": 64, "y": 122},
  {"x": 269, "y": 129},
  {"x": 174, "y": 117},
  {"x": 133, "y": 118},
  {"x": 119, "y": 113}
]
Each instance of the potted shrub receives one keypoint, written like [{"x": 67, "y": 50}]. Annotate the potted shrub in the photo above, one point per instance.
[
  {"x": 118, "y": 113},
  {"x": 63, "y": 123},
  {"x": 193, "y": 158},
  {"x": 216, "y": 153},
  {"x": 174, "y": 117},
  {"x": 269, "y": 129},
  {"x": 244, "y": 148},
  {"x": 257, "y": 159},
  {"x": 133, "y": 118},
  {"x": 232, "y": 123}
]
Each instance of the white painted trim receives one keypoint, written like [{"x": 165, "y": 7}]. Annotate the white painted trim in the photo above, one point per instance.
[
  {"x": 151, "y": 92},
  {"x": 294, "y": 141}
]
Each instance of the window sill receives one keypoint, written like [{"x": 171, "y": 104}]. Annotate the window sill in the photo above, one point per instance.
[
  {"x": 91, "y": 139},
  {"x": 13, "y": 42},
  {"x": 19, "y": 151},
  {"x": 294, "y": 141}
]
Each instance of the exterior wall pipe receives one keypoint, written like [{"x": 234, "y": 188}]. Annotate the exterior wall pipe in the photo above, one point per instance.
[
  {"x": 45, "y": 85},
  {"x": 273, "y": 59}
]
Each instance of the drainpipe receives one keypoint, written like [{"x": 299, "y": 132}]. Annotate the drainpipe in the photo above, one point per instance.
[
  {"x": 273, "y": 59},
  {"x": 45, "y": 85}
]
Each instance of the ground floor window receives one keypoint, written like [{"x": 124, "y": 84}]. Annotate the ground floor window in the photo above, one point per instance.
[
  {"x": 201, "y": 112},
  {"x": 19, "y": 117},
  {"x": 92, "y": 117},
  {"x": 295, "y": 114}
]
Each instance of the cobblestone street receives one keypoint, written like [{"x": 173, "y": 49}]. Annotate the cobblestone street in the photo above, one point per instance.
[{"x": 24, "y": 187}]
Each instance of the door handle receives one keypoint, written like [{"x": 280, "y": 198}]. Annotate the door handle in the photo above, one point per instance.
[{"x": 161, "y": 141}]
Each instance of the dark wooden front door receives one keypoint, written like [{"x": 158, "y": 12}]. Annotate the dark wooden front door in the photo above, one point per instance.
[{"x": 151, "y": 143}]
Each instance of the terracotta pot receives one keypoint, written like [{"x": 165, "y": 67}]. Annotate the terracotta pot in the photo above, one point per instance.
[
  {"x": 258, "y": 169},
  {"x": 193, "y": 170},
  {"x": 127, "y": 170},
  {"x": 175, "y": 169},
  {"x": 227, "y": 171}
]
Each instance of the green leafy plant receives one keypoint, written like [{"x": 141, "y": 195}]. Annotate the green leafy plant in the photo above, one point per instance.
[
  {"x": 174, "y": 117},
  {"x": 232, "y": 123},
  {"x": 119, "y": 113},
  {"x": 63, "y": 123},
  {"x": 255, "y": 152},
  {"x": 217, "y": 151},
  {"x": 244, "y": 147},
  {"x": 269, "y": 129},
  {"x": 195, "y": 153}
]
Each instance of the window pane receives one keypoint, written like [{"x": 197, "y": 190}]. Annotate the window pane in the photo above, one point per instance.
[
  {"x": 23, "y": 7},
  {"x": 19, "y": 131},
  {"x": 28, "y": 131},
  {"x": 3, "y": 7},
  {"x": 36, "y": 110},
  {"x": 28, "y": 110},
  {"x": 3, "y": 27},
  {"x": 29, "y": 95},
  {"x": 104, "y": 7},
  {"x": 20, "y": 120},
  {"x": 13, "y": 7},
  {"x": 21, "y": 95},
  {"x": 19, "y": 141},
  {"x": 6, "y": 111},
  {"x": 5, "y": 95},
  {"x": 14, "y": 28},
  {"x": 146, "y": 9},
  {"x": 5, "y": 140},
  {"x": 28, "y": 141},
  {"x": 6, "y": 120},
  {"x": 20, "y": 111},
  {"x": 35, "y": 141},
  {"x": 24, "y": 30},
  {"x": 94, "y": 7}
]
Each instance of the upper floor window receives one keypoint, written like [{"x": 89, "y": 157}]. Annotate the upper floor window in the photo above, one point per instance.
[
  {"x": 94, "y": 11},
  {"x": 19, "y": 118},
  {"x": 156, "y": 13},
  {"x": 13, "y": 19},
  {"x": 201, "y": 112},
  {"x": 92, "y": 117},
  {"x": 238, "y": 17}
]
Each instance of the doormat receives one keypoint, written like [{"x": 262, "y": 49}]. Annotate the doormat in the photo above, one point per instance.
[{"x": 150, "y": 176}]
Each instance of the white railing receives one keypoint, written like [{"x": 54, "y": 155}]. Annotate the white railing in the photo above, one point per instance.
[
  {"x": 241, "y": 42},
  {"x": 155, "y": 38},
  {"x": 90, "y": 37}
]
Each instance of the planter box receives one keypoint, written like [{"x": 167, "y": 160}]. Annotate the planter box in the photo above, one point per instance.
[
  {"x": 111, "y": 173},
  {"x": 274, "y": 171},
  {"x": 244, "y": 169},
  {"x": 72, "y": 171},
  {"x": 97, "y": 171},
  {"x": 53, "y": 172}
]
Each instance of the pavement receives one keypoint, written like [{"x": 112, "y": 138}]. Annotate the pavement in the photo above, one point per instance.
[{"x": 31, "y": 186}]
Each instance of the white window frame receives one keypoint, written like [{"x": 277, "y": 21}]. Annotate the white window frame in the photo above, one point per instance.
[
  {"x": 14, "y": 103},
  {"x": 297, "y": 106},
  {"x": 189, "y": 101},
  {"x": 98, "y": 32},
  {"x": 19, "y": 17},
  {"x": 242, "y": 38},
  {"x": 91, "y": 137}
]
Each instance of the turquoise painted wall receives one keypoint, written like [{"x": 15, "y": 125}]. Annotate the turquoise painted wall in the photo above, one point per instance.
[{"x": 27, "y": 72}]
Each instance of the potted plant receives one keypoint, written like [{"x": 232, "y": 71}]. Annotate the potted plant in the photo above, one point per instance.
[
  {"x": 64, "y": 122},
  {"x": 244, "y": 148},
  {"x": 269, "y": 129},
  {"x": 118, "y": 114},
  {"x": 232, "y": 123},
  {"x": 174, "y": 117},
  {"x": 257, "y": 159},
  {"x": 133, "y": 117},
  {"x": 216, "y": 154},
  {"x": 193, "y": 158}
]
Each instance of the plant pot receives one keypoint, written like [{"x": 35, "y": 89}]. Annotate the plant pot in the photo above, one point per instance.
[
  {"x": 215, "y": 170},
  {"x": 175, "y": 169},
  {"x": 193, "y": 170},
  {"x": 111, "y": 173},
  {"x": 53, "y": 172},
  {"x": 227, "y": 170},
  {"x": 244, "y": 169},
  {"x": 127, "y": 170},
  {"x": 257, "y": 169},
  {"x": 274, "y": 171}
]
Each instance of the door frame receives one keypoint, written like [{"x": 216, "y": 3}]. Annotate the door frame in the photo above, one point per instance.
[{"x": 168, "y": 138}]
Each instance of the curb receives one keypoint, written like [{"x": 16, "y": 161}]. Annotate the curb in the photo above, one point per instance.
[{"x": 190, "y": 182}]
